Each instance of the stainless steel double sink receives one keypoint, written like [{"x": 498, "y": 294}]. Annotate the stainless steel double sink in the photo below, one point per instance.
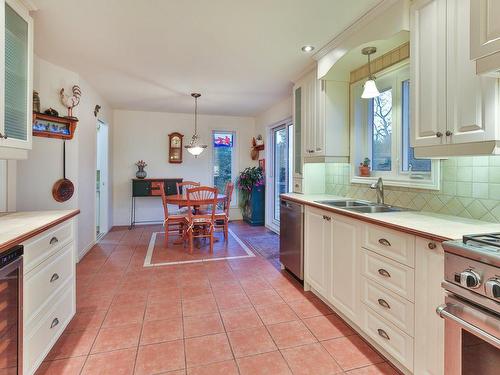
[{"x": 361, "y": 206}]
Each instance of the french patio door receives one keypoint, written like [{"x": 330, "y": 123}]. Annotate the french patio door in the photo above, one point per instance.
[{"x": 281, "y": 166}]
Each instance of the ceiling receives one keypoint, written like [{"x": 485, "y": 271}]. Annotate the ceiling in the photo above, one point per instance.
[{"x": 151, "y": 54}]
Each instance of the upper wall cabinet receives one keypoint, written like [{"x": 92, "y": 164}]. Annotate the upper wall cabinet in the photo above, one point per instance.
[
  {"x": 321, "y": 120},
  {"x": 16, "y": 78},
  {"x": 454, "y": 111},
  {"x": 485, "y": 35}
]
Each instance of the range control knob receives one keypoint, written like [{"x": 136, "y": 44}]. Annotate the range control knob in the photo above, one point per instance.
[
  {"x": 470, "y": 279},
  {"x": 492, "y": 288}
]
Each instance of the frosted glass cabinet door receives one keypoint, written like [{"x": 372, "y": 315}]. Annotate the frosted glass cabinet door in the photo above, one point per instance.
[{"x": 17, "y": 106}]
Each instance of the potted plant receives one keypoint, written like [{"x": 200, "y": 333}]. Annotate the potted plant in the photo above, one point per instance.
[
  {"x": 250, "y": 183},
  {"x": 364, "y": 168}
]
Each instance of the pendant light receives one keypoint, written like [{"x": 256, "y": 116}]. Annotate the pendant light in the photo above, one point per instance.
[
  {"x": 195, "y": 146},
  {"x": 369, "y": 88}
]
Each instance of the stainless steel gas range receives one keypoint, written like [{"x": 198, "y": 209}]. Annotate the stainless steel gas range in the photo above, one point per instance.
[{"x": 472, "y": 308}]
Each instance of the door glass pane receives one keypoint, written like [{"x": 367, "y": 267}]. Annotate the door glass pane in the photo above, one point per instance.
[
  {"x": 16, "y": 75},
  {"x": 380, "y": 116},
  {"x": 298, "y": 131},
  {"x": 223, "y": 143},
  {"x": 280, "y": 167},
  {"x": 478, "y": 356}
]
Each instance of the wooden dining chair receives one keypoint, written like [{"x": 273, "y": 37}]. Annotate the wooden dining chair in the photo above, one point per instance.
[
  {"x": 200, "y": 224},
  {"x": 178, "y": 222},
  {"x": 222, "y": 215},
  {"x": 183, "y": 186}
]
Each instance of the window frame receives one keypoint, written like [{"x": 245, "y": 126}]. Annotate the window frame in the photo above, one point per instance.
[
  {"x": 361, "y": 134},
  {"x": 234, "y": 161}
]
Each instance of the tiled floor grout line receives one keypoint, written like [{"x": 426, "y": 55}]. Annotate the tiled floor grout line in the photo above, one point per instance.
[{"x": 237, "y": 272}]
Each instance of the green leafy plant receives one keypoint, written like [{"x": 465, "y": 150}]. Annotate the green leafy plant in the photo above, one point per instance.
[
  {"x": 248, "y": 179},
  {"x": 366, "y": 162}
]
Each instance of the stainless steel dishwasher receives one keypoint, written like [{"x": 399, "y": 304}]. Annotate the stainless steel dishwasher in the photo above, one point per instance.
[{"x": 292, "y": 237}]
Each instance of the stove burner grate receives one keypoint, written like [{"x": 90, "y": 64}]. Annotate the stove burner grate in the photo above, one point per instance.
[{"x": 491, "y": 239}]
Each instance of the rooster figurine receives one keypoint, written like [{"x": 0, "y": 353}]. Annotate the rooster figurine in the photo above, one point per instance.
[{"x": 72, "y": 101}]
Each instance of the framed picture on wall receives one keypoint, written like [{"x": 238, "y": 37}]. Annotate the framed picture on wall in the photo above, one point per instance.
[{"x": 262, "y": 164}]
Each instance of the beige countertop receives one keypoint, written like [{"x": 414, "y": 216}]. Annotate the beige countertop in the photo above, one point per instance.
[
  {"x": 424, "y": 224},
  {"x": 17, "y": 227}
]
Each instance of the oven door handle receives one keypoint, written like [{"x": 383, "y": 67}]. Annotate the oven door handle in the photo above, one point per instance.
[{"x": 443, "y": 312}]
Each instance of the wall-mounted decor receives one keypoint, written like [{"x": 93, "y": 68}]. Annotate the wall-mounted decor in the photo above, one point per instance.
[
  {"x": 257, "y": 145},
  {"x": 53, "y": 126},
  {"x": 36, "y": 101},
  {"x": 63, "y": 188},
  {"x": 175, "y": 148},
  {"x": 97, "y": 108},
  {"x": 71, "y": 101}
]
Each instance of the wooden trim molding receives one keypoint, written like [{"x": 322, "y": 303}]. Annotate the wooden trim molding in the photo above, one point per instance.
[{"x": 383, "y": 62}]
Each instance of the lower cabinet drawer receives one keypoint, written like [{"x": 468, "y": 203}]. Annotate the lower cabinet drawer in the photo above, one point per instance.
[
  {"x": 41, "y": 336},
  {"x": 39, "y": 248},
  {"x": 390, "y": 274},
  {"x": 393, "y": 340},
  {"x": 46, "y": 279},
  {"x": 395, "y": 309}
]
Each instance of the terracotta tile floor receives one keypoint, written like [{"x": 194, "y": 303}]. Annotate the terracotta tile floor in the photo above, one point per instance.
[{"x": 222, "y": 317}]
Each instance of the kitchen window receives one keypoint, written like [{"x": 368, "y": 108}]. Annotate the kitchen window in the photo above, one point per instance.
[
  {"x": 381, "y": 129},
  {"x": 223, "y": 143}
]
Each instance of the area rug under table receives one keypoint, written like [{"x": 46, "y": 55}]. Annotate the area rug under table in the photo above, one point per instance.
[{"x": 160, "y": 255}]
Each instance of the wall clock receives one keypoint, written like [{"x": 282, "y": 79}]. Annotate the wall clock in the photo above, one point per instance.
[{"x": 175, "y": 147}]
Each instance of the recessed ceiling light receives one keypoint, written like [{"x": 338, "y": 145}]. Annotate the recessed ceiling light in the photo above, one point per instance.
[{"x": 307, "y": 48}]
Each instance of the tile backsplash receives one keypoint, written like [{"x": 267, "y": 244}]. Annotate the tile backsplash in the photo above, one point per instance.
[{"x": 470, "y": 187}]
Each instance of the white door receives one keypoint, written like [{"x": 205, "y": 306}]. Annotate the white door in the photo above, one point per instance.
[
  {"x": 428, "y": 72},
  {"x": 280, "y": 171},
  {"x": 485, "y": 28},
  {"x": 102, "y": 174},
  {"x": 471, "y": 99},
  {"x": 317, "y": 249},
  {"x": 344, "y": 266}
]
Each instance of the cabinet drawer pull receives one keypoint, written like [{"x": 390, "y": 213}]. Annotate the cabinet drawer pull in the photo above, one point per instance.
[
  {"x": 432, "y": 245},
  {"x": 54, "y": 323},
  {"x": 3, "y": 136},
  {"x": 327, "y": 218},
  {"x": 439, "y": 134},
  {"x": 384, "y": 273},
  {"x": 384, "y": 242},
  {"x": 383, "y": 334},
  {"x": 449, "y": 133},
  {"x": 383, "y": 303},
  {"x": 54, "y": 240},
  {"x": 54, "y": 277}
]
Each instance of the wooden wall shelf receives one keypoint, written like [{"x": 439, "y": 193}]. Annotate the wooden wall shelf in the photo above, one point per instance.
[{"x": 53, "y": 126}]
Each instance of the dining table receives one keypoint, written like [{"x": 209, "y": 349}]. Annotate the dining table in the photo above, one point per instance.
[{"x": 182, "y": 201}]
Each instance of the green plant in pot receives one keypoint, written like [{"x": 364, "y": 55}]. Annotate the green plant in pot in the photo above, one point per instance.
[
  {"x": 250, "y": 183},
  {"x": 364, "y": 168}
]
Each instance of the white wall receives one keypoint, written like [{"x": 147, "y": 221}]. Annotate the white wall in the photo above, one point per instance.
[
  {"x": 37, "y": 174},
  {"x": 144, "y": 135}
]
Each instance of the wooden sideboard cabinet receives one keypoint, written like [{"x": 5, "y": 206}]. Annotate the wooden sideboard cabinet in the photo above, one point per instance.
[{"x": 141, "y": 188}]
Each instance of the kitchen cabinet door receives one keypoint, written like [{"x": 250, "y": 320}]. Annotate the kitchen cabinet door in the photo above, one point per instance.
[
  {"x": 472, "y": 100},
  {"x": 344, "y": 275},
  {"x": 429, "y": 327},
  {"x": 428, "y": 72},
  {"x": 298, "y": 132},
  {"x": 16, "y": 78},
  {"x": 484, "y": 28},
  {"x": 317, "y": 248}
]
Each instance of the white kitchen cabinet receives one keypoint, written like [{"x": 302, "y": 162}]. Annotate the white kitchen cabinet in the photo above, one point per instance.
[
  {"x": 429, "y": 327},
  {"x": 49, "y": 291},
  {"x": 317, "y": 247},
  {"x": 484, "y": 28},
  {"x": 454, "y": 111},
  {"x": 344, "y": 266},
  {"x": 321, "y": 109},
  {"x": 428, "y": 71},
  {"x": 16, "y": 76}
]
